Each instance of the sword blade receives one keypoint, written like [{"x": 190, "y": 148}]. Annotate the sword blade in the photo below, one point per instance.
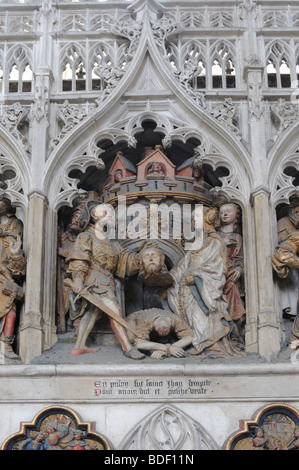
[{"x": 102, "y": 306}]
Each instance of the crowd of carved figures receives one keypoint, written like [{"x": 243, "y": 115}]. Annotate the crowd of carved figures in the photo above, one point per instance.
[{"x": 195, "y": 306}]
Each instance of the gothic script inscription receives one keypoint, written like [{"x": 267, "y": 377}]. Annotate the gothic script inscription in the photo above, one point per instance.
[{"x": 152, "y": 387}]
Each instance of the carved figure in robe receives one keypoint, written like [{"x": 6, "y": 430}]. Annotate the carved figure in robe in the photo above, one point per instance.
[
  {"x": 284, "y": 259},
  {"x": 163, "y": 333},
  {"x": 259, "y": 441},
  {"x": 228, "y": 216},
  {"x": 35, "y": 443},
  {"x": 197, "y": 295},
  {"x": 93, "y": 263},
  {"x": 288, "y": 286},
  {"x": 57, "y": 435},
  {"x": 12, "y": 271}
]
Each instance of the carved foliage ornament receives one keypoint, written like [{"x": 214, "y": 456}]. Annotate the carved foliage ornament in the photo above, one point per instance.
[{"x": 11, "y": 117}]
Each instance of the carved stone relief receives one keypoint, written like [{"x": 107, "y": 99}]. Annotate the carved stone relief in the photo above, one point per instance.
[
  {"x": 274, "y": 427},
  {"x": 168, "y": 429},
  {"x": 56, "y": 428}
]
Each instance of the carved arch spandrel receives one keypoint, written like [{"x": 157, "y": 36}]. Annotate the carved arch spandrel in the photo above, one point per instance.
[
  {"x": 168, "y": 428},
  {"x": 12, "y": 162},
  {"x": 200, "y": 117},
  {"x": 285, "y": 153},
  {"x": 277, "y": 422},
  {"x": 57, "y": 414}
]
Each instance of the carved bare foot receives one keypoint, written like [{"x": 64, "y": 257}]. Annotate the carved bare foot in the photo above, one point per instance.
[
  {"x": 134, "y": 354},
  {"x": 75, "y": 352}
]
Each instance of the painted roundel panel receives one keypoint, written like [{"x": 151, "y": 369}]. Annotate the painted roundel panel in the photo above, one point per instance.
[
  {"x": 274, "y": 427},
  {"x": 56, "y": 428}
]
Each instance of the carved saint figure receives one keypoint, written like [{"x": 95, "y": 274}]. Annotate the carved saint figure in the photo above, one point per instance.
[
  {"x": 12, "y": 269},
  {"x": 197, "y": 294},
  {"x": 93, "y": 263},
  {"x": 163, "y": 333},
  {"x": 228, "y": 215},
  {"x": 153, "y": 270}
]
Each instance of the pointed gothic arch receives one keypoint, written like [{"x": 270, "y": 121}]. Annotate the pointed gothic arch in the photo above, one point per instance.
[
  {"x": 72, "y": 63},
  {"x": 168, "y": 428},
  {"x": 279, "y": 65},
  {"x": 13, "y": 159},
  {"x": 19, "y": 66},
  {"x": 283, "y": 154},
  {"x": 224, "y": 65}
]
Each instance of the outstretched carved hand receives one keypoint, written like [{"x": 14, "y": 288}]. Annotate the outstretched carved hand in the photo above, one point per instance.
[
  {"x": 176, "y": 351},
  {"x": 15, "y": 246},
  {"x": 158, "y": 354}
]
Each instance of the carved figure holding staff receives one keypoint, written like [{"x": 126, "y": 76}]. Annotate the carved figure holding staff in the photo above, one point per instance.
[{"x": 93, "y": 263}]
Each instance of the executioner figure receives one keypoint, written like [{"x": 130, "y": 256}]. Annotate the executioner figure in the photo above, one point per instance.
[
  {"x": 92, "y": 265},
  {"x": 66, "y": 241},
  {"x": 12, "y": 269}
]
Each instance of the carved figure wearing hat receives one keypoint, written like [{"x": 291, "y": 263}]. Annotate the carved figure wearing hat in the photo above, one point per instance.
[{"x": 93, "y": 263}]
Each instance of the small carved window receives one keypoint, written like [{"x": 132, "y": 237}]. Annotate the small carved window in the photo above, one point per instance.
[
  {"x": 27, "y": 79},
  {"x": 278, "y": 69},
  {"x": 14, "y": 79},
  {"x": 73, "y": 71},
  {"x": 223, "y": 68},
  {"x": 200, "y": 80},
  {"x": 20, "y": 75}
]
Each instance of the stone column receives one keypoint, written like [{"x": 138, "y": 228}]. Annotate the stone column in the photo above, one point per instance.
[
  {"x": 31, "y": 334},
  {"x": 251, "y": 327},
  {"x": 36, "y": 329},
  {"x": 269, "y": 334},
  {"x": 263, "y": 327}
]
